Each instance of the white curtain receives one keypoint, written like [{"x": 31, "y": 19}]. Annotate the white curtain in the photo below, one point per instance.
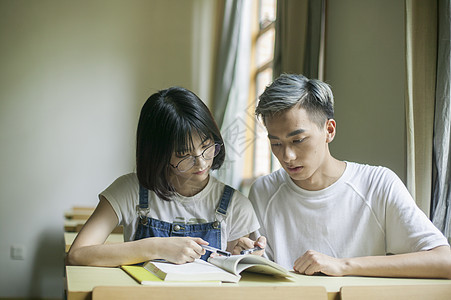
[
  {"x": 441, "y": 204},
  {"x": 232, "y": 87},
  {"x": 421, "y": 60},
  {"x": 300, "y": 38}
]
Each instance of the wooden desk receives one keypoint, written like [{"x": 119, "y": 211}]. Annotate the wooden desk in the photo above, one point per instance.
[
  {"x": 82, "y": 280},
  {"x": 74, "y": 225},
  {"x": 69, "y": 238},
  {"x": 79, "y": 213}
]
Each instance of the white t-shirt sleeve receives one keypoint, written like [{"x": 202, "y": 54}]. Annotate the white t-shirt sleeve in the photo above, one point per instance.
[
  {"x": 123, "y": 196},
  {"x": 408, "y": 229},
  {"x": 241, "y": 218},
  {"x": 258, "y": 196}
]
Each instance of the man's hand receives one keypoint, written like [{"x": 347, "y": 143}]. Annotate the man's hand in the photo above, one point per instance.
[
  {"x": 313, "y": 262},
  {"x": 245, "y": 243}
]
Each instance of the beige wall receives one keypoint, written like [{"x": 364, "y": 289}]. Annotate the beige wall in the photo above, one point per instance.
[
  {"x": 73, "y": 77},
  {"x": 365, "y": 67}
]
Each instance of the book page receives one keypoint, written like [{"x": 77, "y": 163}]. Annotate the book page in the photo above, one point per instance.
[
  {"x": 195, "y": 271},
  {"x": 253, "y": 263},
  {"x": 198, "y": 266},
  {"x": 227, "y": 263}
]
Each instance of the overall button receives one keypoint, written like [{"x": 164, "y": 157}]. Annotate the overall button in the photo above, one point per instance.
[
  {"x": 216, "y": 224},
  {"x": 176, "y": 227}
]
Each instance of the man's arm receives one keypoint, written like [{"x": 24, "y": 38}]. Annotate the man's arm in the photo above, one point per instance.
[{"x": 434, "y": 263}]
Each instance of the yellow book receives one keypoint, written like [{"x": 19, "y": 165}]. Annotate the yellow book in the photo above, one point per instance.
[
  {"x": 140, "y": 274},
  {"x": 144, "y": 277}
]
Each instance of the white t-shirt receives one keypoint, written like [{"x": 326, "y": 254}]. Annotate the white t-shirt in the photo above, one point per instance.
[
  {"x": 368, "y": 211},
  {"x": 123, "y": 195}
]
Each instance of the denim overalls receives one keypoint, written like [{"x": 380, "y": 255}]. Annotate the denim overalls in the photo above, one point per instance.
[{"x": 210, "y": 232}]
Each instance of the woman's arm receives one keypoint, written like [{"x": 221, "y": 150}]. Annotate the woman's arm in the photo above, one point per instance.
[
  {"x": 89, "y": 248},
  {"x": 434, "y": 263}
]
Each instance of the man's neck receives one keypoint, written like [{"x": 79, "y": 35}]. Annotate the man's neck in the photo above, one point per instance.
[{"x": 330, "y": 171}]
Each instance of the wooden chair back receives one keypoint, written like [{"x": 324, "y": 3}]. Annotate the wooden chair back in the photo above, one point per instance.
[
  {"x": 397, "y": 292},
  {"x": 209, "y": 292}
]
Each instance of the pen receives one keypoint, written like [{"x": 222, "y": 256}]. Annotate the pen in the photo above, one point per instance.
[
  {"x": 215, "y": 250},
  {"x": 249, "y": 251}
]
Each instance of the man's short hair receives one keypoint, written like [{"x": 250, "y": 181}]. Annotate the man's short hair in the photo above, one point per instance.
[{"x": 289, "y": 90}]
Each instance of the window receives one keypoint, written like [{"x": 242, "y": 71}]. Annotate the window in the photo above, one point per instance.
[{"x": 259, "y": 160}]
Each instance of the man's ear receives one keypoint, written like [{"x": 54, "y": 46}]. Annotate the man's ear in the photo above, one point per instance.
[{"x": 331, "y": 129}]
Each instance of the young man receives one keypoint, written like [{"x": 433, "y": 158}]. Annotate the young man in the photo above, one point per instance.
[{"x": 323, "y": 215}]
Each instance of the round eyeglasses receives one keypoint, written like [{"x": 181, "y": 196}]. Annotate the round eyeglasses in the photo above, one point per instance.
[{"x": 188, "y": 162}]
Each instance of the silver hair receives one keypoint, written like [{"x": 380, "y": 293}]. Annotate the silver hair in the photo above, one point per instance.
[{"x": 289, "y": 90}]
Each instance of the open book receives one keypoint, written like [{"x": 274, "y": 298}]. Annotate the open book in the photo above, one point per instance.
[{"x": 218, "y": 268}]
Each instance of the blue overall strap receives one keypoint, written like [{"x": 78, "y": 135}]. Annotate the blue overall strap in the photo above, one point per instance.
[
  {"x": 143, "y": 197},
  {"x": 143, "y": 207},
  {"x": 225, "y": 200}
]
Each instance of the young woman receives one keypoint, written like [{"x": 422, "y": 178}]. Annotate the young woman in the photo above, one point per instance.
[{"x": 171, "y": 205}]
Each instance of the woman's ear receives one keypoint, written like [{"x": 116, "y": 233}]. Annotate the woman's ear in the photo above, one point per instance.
[{"x": 331, "y": 129}]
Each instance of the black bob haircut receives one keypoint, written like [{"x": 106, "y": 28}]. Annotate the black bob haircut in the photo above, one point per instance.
[{"x": 167, "y": 122}]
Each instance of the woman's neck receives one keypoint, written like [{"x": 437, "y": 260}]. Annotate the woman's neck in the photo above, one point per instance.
[{"x": 188, "y": 188}]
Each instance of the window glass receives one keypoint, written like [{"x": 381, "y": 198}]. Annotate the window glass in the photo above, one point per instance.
[
  {"x": 265, "y": 47},
  {"x": 259, "y": 160},
  {"x": 267, "y": 12}
]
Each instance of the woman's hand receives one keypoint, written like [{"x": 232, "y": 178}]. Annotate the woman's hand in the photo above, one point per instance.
[{"x": 180, "y": 250}]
